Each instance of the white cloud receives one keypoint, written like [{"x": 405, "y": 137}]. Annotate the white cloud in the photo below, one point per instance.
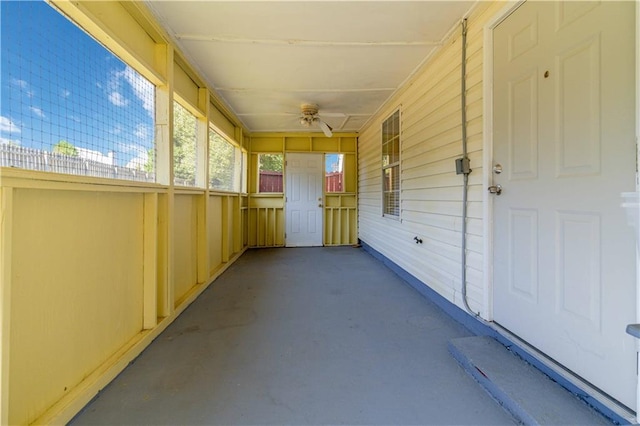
[
  {"x": 142, "y": 88},
  {"x": 6, "y": 125},
  {"x": 24, "y": 86},
  {"x": 65, "y": 93},
  {"x": 37, "y": 111},
  {"x": 9, "y": 141},
  {"x": 117, "y": 99},
  {"x": 116, "y": 130},
  {"x": 20, "y": 83},
  {"x": 74, "y": 118},
  {"x": 142, "y": 132}
]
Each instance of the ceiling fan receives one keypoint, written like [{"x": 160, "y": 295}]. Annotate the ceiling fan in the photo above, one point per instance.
[{"x": 310, "y": 116}]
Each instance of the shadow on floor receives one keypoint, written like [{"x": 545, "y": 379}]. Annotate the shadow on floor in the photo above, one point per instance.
[{"x": 301, "y": 336}]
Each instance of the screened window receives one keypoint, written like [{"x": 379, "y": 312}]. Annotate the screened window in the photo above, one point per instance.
[
  {"x": 334, "y": 172},
  {"x": 224, "y": 163},
  {"x": 270, "y": 168},
  {"x": 391, "y": 165},
  {"x": 67, "y": 104},
  {"x": 184, "y": 146}
]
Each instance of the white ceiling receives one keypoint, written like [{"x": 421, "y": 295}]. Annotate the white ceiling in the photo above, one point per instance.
[{"x": 266, "y": 58}]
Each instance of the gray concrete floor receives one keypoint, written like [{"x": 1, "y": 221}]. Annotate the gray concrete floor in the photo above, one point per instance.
[{"x": 301, "y": 336}]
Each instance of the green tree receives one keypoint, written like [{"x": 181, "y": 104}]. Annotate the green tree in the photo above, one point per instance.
[
  {"x": 150, "y": 165},
  {"x": 271, "y": 162},
  {"x": 66, "y": 148},
  {"x": 221, "y": 162},
  {"x": 184, "y": 145}
]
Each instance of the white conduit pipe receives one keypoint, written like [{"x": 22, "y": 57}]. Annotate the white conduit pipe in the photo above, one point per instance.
[{"x": 466, "y": 170}]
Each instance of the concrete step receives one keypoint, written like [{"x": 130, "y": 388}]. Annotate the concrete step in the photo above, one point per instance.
[{"x": 528, "y": 394}]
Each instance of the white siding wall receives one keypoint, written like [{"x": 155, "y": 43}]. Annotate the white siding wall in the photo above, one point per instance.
[{"x": 431, "y": 198}]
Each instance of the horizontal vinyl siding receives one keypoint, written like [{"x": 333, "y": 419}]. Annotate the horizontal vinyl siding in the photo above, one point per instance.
[{"x": 431, "y": 197}]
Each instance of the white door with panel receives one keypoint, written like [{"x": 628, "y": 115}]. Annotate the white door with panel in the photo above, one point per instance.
[
  {"x": 304, "y": 177},
  {"x": 564, "y": 150}
]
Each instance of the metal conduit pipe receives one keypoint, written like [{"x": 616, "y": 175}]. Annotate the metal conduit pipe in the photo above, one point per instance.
[{"x": 464, "y": 167}]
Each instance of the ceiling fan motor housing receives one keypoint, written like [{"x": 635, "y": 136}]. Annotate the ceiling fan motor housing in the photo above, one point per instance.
[{"x": 309, "y": 109}]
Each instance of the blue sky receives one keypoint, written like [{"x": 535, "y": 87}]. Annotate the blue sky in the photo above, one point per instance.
[
  {"x": 57, "y": 83},
  {"x": 331, "y": 162}
]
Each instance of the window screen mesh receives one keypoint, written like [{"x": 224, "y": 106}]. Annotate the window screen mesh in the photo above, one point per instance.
[
  {"x": 223, "y": 162},
  {"x": 68, "y": 105},
  {"x": 184, "y": 146}
]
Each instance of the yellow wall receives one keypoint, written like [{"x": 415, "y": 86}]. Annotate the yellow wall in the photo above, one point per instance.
[
  {"x": 266, "y": 213},
  {"x": 75, "y": 283},
  {"x": 91, "y": 269},
  {"x": 83, "y": 261},
  {"x": 185, "y": 241}
]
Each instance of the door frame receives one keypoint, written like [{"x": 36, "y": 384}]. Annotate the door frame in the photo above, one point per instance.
[
  {"x": 487, "y": 200},
  {"x": 487, "y": 154}
]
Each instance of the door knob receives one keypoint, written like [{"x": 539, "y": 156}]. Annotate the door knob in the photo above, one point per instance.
[
  {"x": 497, "y": 169},
  {"x": 495, "y": 189},
  {"x": 319, "y": 205}
]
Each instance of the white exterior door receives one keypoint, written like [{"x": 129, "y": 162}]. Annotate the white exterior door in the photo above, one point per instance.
[
  {"x": 564, "y": 136},
  {"x": 303, "y": 180}
]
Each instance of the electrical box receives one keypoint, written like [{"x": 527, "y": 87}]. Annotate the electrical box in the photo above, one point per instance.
[{"x": 462, "y": 166}]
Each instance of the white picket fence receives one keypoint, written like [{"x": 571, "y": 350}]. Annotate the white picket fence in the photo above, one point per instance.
[{"x": 36, "y": 159}]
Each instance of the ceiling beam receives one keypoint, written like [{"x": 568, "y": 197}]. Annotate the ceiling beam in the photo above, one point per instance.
[
  {"x": 296, "y": 42},
  {"x": 242, "y": 89}
]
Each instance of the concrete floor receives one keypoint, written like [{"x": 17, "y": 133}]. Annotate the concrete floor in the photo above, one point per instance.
[{"x": 301, "y": 336}]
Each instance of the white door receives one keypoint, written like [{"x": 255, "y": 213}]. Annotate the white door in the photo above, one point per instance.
[
  {"x": 564, "y": 131},
  {"x": 303, "y": 180}
]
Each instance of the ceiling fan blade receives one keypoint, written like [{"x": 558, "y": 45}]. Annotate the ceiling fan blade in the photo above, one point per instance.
[{"x": 326, "y": 129}]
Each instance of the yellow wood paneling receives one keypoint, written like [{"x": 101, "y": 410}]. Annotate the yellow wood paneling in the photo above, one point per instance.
[
  {"x": 115, "y": 17},
  {"x": 348, "y": 144},
  {"x": 77, "y": 290},
  {"x": 150, "y": 261},
  {"x": 227, "y": 224},
  {"x": 164, "y": 267},
  {"x": 6, "y": 237},
  {"x": 185, "y": 240},
  {"x": 185, "y": 86},
  {"x": 214, "y": 216},
  {"x": 340, "y": 219},
  {"x": 266, "y": 227},
  {"x": 299, "y": 143},
  {"x": 221, "y": 121},
  {"x": 267, "y": 144},
  {"x": 237, "y": 225},
  {"x": 324, "y": 144},
  {"x": 350, "y": 173},
  {"x": 114, "y": 26},
  {"x": 307, "y": 142},
  {"x": 266, "y": 221},
  {"x": 431, "y": 191}
]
